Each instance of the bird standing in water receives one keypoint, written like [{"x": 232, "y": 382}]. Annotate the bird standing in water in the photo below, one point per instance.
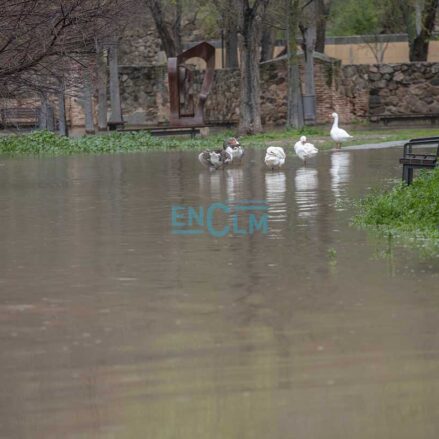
[
  {"x": 338, "y": 135},
  {"x": 275, "y": 157},
  {"x": 305, "y": 150},
  {"x": 213, "y": 160},
  {"x": 234, "y": 148}
]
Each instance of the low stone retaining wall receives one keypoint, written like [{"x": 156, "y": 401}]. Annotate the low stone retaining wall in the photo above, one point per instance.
[
  {"x": 356, "y": 92},
  {"x": 397, "y": 89},
  {"x": 144, "y": 94}
]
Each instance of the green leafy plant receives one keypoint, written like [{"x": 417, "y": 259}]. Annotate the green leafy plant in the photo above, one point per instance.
[
  {"x": 47, "y": 143},
  {"x": 410, "y": 211}
]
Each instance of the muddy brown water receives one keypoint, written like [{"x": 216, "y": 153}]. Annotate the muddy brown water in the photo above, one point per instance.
[{"x": 113, "y": 327}]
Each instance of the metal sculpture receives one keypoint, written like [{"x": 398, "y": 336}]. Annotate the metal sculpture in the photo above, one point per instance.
[{"x": 184, "y": 112}]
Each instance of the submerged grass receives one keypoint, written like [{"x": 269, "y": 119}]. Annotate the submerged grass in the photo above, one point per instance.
[
  {"x": 44, "y": 142},
  {"x": 409, "y": 212},
  {"x": 47, "y": 143}
]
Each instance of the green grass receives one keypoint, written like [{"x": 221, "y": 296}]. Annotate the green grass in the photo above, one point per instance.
[
  {"x": 320, "y": 136},
  {"x": 46, "y": 143},
  {"x": 405, "y": 211}
]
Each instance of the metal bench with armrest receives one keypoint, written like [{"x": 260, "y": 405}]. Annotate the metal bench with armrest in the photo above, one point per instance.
[{"x": 415, "y": 160}]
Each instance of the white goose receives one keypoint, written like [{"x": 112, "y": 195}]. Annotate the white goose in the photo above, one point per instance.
[
  {"x": 305, "y": 150},
  {"x": 338, "y": 135},
  {"x": 234, "y": 148},
  {"x": 275, "y": 157}
]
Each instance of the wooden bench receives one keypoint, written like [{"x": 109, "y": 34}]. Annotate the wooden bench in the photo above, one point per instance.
[
  {"x": 113, "y": 126},
  {"x": 386, "y": 118},
  {"x": 412, "y": 160},
  {"x": 166, "y": 131},
  {"x": 221, "y": 123},
  {"x": 19, "y": 117}
]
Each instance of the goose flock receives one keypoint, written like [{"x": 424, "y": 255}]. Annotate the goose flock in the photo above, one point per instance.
[{"x": 275, "y": 156}]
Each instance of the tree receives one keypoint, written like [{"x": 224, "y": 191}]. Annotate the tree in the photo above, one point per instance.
[
  {"x": 376, "y": 17},
  {"x": 369, "y": 19},
  {"x": 295, "y": 118},
  {"x": 267, "y": 37},
  {"x": 419, "y": 18},
  {"x": 40, "y": 38},
  {"x": 172, "y": 18},
  {"x": 227, "y": 21},
  {"x": 322, "y": 15},
  {"x": 308, "y": 28},
  {"x": 249, "y": 26},
  {"x": 169, "y": 31}
]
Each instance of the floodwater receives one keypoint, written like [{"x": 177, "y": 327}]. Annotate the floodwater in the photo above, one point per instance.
[{"x": 111, "y": 326}]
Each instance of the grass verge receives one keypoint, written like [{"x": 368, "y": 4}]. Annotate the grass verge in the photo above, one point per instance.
[
  {"x": 405, "y": 211},
  {"x": 46, "y": 143}
]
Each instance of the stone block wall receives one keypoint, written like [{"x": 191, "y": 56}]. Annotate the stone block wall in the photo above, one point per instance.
[
  {"x": 356, "y": 92},
  {"x": 144, "y": 94},
  {"x": 411, "y": 88},
  {"x": 141, "y": 47}
]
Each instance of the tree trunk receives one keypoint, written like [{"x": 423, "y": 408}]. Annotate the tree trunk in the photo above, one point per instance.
[
  {"x": 101, "y": 69},
  {"x": 419, "y": 48},
  {"x": 294, "y": 95},
  {"x": 87, "y": 103},
  {"x": 310, "y": 93},
  {"x": 228, "y": 14},
  {"x": 170, "y": 45},
  {"x": 322, "y": 13},
  {"x": 419, "y": 30},
  {"x": 231, "y": 40},
  {"x": 62, "y": 120},
  {"x": 267, "y": 44},
  {"x": 42, "y": 123},
  {"x": 50, "y": 118},
  {"x": 177, "y": 26},
  {"x": 250, "y": 111},
  {"x": 116, "y": 111}
]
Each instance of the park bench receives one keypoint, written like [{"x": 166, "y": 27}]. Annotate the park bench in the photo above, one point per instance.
[
  {"x": 416, "y": 160},
  {"x": 19, "y": 117},
  {"x": 166, "y": 131},
  {"x": 113, "y": 126},
  {"x": 386, "y": 118},
  {"x": 214, "y": 123}
]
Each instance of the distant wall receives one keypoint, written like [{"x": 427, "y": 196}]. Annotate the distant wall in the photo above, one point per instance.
[
  {"x": 145, "y": 98},
  {"x": 356, "y": 92},
  {"x": 410, "y": 88}
]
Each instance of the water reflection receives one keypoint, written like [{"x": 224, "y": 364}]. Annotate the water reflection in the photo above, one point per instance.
[
  {"x": 275, "y": 187},
  {"x": 234, "y": 183},
  {"x": 306, "y": 184},
  {"x": 112, "y": 327},
  {"x": 340, "y": 172},
  {"x": 210, "y": 184}
]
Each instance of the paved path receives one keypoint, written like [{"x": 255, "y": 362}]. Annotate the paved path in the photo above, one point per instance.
[{"x": 375, "y": 145}]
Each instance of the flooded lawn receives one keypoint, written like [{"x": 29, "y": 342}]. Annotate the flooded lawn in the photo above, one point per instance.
[{"x": 111, "y": 326}]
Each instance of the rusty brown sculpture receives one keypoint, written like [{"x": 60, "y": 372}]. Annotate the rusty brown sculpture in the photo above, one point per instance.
[{"x": 184, "y": 113}]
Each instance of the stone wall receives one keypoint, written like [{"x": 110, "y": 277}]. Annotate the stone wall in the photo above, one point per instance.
[
  {"x": 410, "y": 88},
  {"x": 141, "y": 47},
  {"x": 356, "y": 92},
  {"x": 145, "y": 98},
  {"x": 144, "y": 94}
]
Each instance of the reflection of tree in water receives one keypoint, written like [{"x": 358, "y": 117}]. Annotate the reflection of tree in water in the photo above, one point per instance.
[{"x": 211, "y": 185}]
